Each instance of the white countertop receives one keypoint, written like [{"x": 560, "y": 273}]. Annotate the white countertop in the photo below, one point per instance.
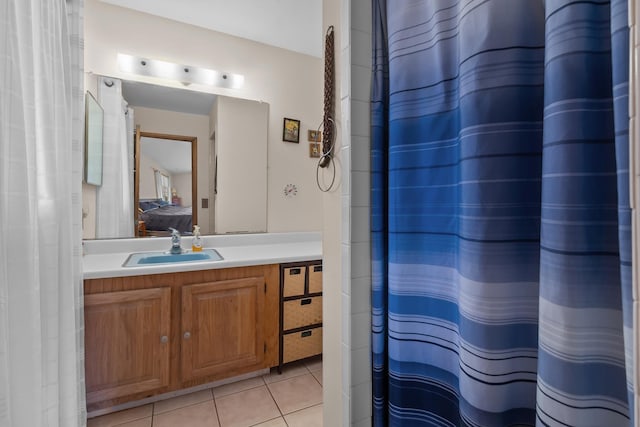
[{"x": 104, "y": 258}]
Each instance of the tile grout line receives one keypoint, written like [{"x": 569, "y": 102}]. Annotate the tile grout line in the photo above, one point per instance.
[
  {"x": 126, "y": 422},
  {"x": 300, "y": 409},
  {"x": 315, "y": 378},
  {"x": 215, "y": 403},
  {"x": 215, "y": 407},
  {"x": 265, "y": 385},
  {"x": 288, "y": 378},
  {"x": 180, "y": 407},
  {"x": 266, "y": 421},
  {"x": 239, "y": 391},
  {"x": 275, "y": 401},
  {"x": 303, "y": 409}
]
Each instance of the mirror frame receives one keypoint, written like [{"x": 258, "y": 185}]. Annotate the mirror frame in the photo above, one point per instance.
[{"x": 194, "y": 173}]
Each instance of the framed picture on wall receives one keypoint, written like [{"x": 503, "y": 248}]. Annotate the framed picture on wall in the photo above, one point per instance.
[
  {"x": 291, "y": 130},
  {"x": 314, "y": 135}
]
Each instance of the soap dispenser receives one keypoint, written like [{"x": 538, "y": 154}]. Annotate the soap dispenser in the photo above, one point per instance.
[{"x": 196, "y": 242}]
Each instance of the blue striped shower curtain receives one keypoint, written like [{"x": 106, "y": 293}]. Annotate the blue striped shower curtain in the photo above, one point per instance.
[{"x": 501, "y": 251}]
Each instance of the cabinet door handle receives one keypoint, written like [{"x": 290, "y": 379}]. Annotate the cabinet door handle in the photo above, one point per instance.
[
  {"x": 164, "y": 339},
  {"x": 187, "y": 335},
  {"x": 306, "y": 334},
  {"x": 294, "y": 271},
  {"x": 306, "y": 301}
]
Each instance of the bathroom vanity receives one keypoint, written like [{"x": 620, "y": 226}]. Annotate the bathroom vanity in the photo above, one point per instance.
[{"x": 163, "y": 329}]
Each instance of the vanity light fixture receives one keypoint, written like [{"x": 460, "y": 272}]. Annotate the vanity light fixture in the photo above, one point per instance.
[{"x": 185, "y": 74}]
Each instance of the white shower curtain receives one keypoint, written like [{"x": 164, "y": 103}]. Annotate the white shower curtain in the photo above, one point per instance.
[
  {"x": 114, "y": 198},
  {"x": 41, "y": 119}
]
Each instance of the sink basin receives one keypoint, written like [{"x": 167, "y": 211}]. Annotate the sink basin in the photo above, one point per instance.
[{"x": 154, "y": 258}]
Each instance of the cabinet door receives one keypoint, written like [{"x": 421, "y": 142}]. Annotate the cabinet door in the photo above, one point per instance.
[
  {"x": 222, "y": 326},
  {"x": 126, "y": 342}
]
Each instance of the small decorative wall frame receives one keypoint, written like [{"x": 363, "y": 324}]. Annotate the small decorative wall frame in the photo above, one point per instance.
[
  {"x": 314, "y": 149},
  {"x": 314, "y": 135},
  {"x": 291, "y": 130}
]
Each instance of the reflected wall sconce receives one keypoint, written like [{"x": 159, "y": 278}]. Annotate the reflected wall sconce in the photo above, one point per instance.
[{"x": 184, "y": 74}]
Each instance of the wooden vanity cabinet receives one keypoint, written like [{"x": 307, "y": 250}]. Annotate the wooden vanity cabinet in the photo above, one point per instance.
[
  {"x": 127, "y": 341},
  {"x": 153, "y": 334},
  {"x": 222, "y": 326}
]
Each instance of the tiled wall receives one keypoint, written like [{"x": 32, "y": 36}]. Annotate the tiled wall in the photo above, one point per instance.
[
  {"x": 356, "y": 264},
  {"x": 347, "y": 320},
  {"x": 634, "y": 177}
]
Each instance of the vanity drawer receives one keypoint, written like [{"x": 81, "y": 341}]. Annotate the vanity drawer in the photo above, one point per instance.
[
  {"x": 302, "y": 312},
  {"x": 315, "y": 278},
  {"x": 293, "y": 278},
  {"x": 300, "y": 345}
]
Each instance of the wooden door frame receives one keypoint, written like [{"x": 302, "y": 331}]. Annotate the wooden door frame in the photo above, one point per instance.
[{"x": 194, "y": 171}]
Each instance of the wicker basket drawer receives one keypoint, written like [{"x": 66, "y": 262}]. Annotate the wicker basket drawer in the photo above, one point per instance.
[
  {"x": 300, "y": 345},
  {"x": 293, "y": 281},
  {"x": 302, "y": 312},
  {"x": 315, "y": 278}
]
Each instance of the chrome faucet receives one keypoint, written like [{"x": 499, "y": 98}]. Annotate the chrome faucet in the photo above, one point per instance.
[{"x": 175, "y": 241}]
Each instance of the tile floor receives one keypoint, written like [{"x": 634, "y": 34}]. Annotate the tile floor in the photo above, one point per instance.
[{"x": 292, "y": 399}]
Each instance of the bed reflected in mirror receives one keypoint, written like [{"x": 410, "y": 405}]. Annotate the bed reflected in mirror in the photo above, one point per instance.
[{"x": 165, "y": 184}]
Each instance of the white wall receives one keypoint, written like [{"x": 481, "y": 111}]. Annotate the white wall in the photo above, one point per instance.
[
  {"x": 148, "y": 166},
  {"x": 335, "y": 355},
  {"x": 346, "y": 236},
  {"x": 182, "y": 184},
  {"x": 356, "y": 100},
  {"x": 289, "y": 82},
  {"x": 88, "y": 211}
]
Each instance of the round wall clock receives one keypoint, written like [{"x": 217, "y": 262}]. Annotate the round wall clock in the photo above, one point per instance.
[{"x": 290, "y": 190}]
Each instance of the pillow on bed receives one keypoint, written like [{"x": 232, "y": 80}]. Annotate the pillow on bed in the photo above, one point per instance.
[
  {"x": 161, "y": 202},
  {"x": 147, "y": 205}
]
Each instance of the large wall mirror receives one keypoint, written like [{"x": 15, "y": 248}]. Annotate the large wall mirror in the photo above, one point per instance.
[{"x": 197, "y": 158}]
